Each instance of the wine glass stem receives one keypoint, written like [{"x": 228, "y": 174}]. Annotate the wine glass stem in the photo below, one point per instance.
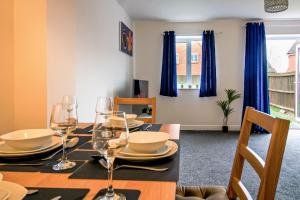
[
  {"x": 64, "y": 155},
  {"x": 110, "y": 166}
]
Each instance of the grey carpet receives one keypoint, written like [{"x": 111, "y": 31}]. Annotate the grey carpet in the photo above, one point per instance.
[{"x": 207, "y": 157}]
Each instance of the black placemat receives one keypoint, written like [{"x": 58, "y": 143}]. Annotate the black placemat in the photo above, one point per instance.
[
  {"x": 47, "y": 168},
  {"x": 86, "y": 130},
  {"x": 93, "y": 170},
  {"x": 37, "y": 159},
  {"x": 65, "y": 193},
  {"x": 18, "y": 168},
  {"x": 129, "y": 194},
  {"x": 81, "y": 155},
  {"x": 88, "y": 146},
  {"x": 153, "y": 127}
]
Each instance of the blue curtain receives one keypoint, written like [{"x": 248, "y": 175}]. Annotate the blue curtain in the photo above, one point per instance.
[
  {"x": 168, "y": 85},
  {"x": 255, "y": 74},
  {"x": 208, "y": 84}
]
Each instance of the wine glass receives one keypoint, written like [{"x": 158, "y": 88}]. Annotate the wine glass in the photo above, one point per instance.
[
  {"x": 110, "y": 134},
  {"x": 104, "y": 105},
  {"x": 61, "y": 121}
]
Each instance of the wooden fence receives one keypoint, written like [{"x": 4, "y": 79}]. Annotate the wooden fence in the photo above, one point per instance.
[{"x": 282, "y": 90}]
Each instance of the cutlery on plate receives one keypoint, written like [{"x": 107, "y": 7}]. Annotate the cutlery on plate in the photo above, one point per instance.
[
  {"x": 21, "y": 164},
  {"x": 103, "y": 163},
  {"x": 32, "y": 191},
  {"x": 70, "y": 144},
  {"x": 56, "y": 198}
]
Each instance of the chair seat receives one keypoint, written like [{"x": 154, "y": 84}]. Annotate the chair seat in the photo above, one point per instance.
[{"x": 201, "y": 193}]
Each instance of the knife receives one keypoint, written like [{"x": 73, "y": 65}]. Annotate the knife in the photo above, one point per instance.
[
  {"x": 56, "y": 198},
  {"x": 21, "y": 164}
]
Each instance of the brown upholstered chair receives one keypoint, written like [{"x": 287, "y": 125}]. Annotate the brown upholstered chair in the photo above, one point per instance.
[
  {"x": 138, "y": 101},
  {"x": 268, "y": 171}
]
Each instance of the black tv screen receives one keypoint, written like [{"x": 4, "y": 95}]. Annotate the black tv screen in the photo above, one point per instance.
[{"x": 140, "y": 90}]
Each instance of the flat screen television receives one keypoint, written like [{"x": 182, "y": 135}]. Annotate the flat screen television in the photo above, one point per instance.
[{"x": 140, "y": 90}]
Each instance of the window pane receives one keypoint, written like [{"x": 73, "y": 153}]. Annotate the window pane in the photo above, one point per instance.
[
  {"x": 196, "y": 55},
  {"x": 181, "y": 63}
]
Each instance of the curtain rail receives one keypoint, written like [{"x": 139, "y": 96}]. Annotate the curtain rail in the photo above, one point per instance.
[
  {"x": 276, "y": 25},
  {"x": 194, "y": 34}
]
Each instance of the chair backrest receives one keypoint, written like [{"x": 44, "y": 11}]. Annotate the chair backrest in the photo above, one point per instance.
[
  {"x": 138, "y": 101},
  {"x": 268, "y": 170}
]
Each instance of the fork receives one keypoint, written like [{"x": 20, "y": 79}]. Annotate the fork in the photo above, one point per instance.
[
  {"x": 103, "y": 163},
  {"x": 141, "y": 167}
]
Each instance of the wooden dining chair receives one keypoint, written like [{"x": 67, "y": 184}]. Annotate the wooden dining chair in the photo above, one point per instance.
[
  {"x": 138, "y": 101},
  {"x": 268, "y": 171}
]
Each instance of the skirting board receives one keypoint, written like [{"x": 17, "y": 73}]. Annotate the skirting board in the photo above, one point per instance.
[{"x": 208, "y": 127}]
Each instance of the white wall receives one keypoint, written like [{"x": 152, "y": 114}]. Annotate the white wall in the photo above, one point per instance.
[
  {"x": 6, "y": 66},
  {"x": 101, "y": 69},
  {"x": 188, "y": 109},
  {"x": 61, "y": 47},
  {"x": 283, "y": 27},
  {"x": 83, "y": 53}
]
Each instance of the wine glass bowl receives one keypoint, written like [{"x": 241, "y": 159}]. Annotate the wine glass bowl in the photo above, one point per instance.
[
  {"x": 108, "y": 138},
  {"x": 70, "y": 104}
]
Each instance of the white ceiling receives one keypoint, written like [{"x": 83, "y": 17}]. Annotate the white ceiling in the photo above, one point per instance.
[{"x": 201, "y": 10}]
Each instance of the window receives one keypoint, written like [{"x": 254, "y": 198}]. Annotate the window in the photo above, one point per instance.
[
  {"x": 188, "y": 52},
  {"x": 177, "y": 59},
  {"x": 195, "y": 58}
]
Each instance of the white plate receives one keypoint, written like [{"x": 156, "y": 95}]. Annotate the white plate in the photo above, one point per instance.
[
  {"x": 135, "y": 124},
  {"x": 28, "y": 139},
  {"x": 4, "y": 194},
  {"x": 6, "y": 149},
  {"x": 174, "y": 148},
  {"x": 162, "y": 151},
  {"x": 18, "y": 155},
  {"x": 17, "y": 192},
  {"x": 131, "y": 117}
]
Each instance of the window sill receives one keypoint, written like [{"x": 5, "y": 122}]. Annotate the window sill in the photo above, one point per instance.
[{"x": 188, "y": 88}]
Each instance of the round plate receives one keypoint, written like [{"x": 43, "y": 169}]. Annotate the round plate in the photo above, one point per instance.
[
  {"x": 17, "y": 155},
  {"x": 135, "y": 124},
  {"x": 6, "y": 149},
  {"x": 174, "y": 148},
  {"x": 16, "y": 191},
  {"x": 126, "y": 151},
  {"x": 4, "y": 194}
]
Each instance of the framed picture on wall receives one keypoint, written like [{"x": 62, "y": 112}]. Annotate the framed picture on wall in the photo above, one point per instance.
[{"x": 126, "y": 39}]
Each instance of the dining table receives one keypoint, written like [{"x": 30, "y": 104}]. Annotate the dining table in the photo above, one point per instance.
[{"x": 149, "y": 190}]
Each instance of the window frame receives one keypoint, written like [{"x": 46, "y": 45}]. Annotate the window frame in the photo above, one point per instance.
[{"x": 188, "y": 40}]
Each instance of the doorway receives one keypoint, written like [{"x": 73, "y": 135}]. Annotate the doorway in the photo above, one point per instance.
[
  {"x": 297, "y": 83},
  {"x": 283, "y": 76}
]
